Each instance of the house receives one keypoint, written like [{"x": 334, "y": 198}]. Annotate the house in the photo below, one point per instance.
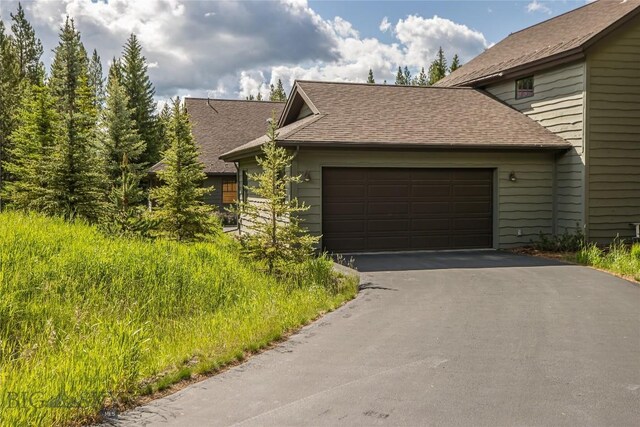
[
  {"x": 220, "y": 125},
  {"x": 538, "y": 134}
]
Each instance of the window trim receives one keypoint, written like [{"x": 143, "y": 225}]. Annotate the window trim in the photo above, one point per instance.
[{"x": 517, "y": 91}]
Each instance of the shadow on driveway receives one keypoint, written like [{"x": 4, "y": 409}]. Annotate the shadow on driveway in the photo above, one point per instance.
[{"x": 446, "y": 260}]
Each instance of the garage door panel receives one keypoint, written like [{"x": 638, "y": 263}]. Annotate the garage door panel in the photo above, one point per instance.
[
  {"x": 431, "y": 190},
  {"x": 378, "y": 191},
  {"x": 387, "y": 209},
  {"x": 345, "y": 208},
  {"x": 351, "y": 226},
  {"x": 435, "y": 207},
  {"x": 377, "y": 225},
  {"x": 346, "y": 191}
]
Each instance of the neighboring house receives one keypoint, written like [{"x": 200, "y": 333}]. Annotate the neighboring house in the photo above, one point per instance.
[
  {"x": 220, "y": 125},
  {"x": 459, "y": 165}
]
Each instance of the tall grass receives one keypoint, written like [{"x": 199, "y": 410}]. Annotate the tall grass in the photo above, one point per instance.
[
  {"x": 87, "y": 320},
  {"x": 618, "y": 258}
]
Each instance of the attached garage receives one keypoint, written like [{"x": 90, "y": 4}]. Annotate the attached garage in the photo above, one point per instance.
[{"x": 392, "y": 209}]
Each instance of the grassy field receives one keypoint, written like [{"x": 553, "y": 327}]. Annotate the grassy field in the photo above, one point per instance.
[
  {"x": 87, "y": 320},
  {"x": 617, "y": 258}
]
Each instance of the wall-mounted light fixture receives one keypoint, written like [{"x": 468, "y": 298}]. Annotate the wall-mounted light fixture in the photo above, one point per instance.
[
  {"x": 512, "y": 176},
  {"x": 306, "y": 177}
]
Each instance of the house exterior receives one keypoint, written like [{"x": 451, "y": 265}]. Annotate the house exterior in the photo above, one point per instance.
[
  {"x": 539, "y": 134},
  {"x": 220, "y": 125}
]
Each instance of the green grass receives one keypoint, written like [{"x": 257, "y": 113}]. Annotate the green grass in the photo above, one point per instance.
[
  {"x": 87, "y": 320},
  {"x": 617, "y": 258}
]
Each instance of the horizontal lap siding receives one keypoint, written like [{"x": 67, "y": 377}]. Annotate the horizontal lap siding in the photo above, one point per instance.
[
  {"x": 522, "y": 205},
  {"x": 558, "y": 105},
  {"x": 613, "y": 138}
]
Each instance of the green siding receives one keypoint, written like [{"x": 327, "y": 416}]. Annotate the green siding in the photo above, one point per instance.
[
  {"x": 558, "y": 105},
  {"x": 613, "y": 134},
  {"x": 524, "y": 205}
]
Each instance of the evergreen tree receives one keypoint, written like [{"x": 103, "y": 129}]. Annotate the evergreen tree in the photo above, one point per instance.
[
  {"x": 370, "y": 78},
  {"x": 75, "y": 179},
  {"x": 35, "y": 135},
  {"x": 9, "y": 99},
  {"x": 407, "y": 76},
  {"x": 274, "y": 235},
  {"x": 28, "y": 48},
  {"x": 115, "y": 71},
  {"x": 438, "y": 68},
  {"x": 140, "y": 92},
  {"x": 250, "y": 97},
  {"x": 455, "y": 63},
  {"x": 277, "y": 92},
  {"x": 164, "y": 118},
  {"x": 400, "y": 80},
  {"x": 121, "y": 139},
  {"x": 125, "y": 212},
  {"x": 421, "y": 79},
  {"x": 96, "y": 79},
  {"x": 181, "y": 213}
]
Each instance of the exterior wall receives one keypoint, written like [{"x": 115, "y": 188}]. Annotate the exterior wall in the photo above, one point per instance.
[
  {"x": 558, "y": 105},
  {"x": 525, "y": 205},
  {"x": 613, "y": 134},
  {"x": 215, "y": 197}
]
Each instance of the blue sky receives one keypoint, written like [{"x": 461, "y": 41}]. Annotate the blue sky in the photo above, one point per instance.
[{"x": 230, "y": 49}]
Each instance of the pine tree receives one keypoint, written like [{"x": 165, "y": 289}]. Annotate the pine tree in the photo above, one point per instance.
[
  {"x": 438, "y": 68},
  {"x": 96, "y": 80},
  {"x": 181, "y": 213},
  {"x": 421, "y": 79},
  {"x": 35, "y": 135},
  {"x": 455, "y": 63},
  {"x": 250, "y": 97},
  {"x": 120, "y": 139},
  {"x": 115, "y": 71},
  {"x": 278, "y": 93},
  {"x": 28, "y": 48},
  {"x": 407, "y": 76},
  {"x": 274, "y": 235},
  {"x": 370, "y": 78},
  {"x": 164, "y": 118},
  {"x": 73, "y": 173},
  {"x": 400, "y": 80},
  {"x": 141, "y": 92},
  {"x": 9, "y": 99}
]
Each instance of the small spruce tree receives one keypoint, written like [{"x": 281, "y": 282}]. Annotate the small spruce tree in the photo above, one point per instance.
[
  {"x": 421, "y": 79},
  {"x": 438, "y": 68},
  {"x": 274, "y": 234},
  {"x": 277, "y": 92},
  {"x": 407, "y": 76},
  {"x": 181, "y": 213},
  {"x": 96, "y": 80},
  {"x": 400, "y": 81},
  {"x": 28, "y": 48},
  {"x": 455, "y": 63},
  {"x": 370, "y": 78}
]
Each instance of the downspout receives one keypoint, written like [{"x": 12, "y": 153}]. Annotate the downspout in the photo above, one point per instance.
[{"x": 238, "y": 192}]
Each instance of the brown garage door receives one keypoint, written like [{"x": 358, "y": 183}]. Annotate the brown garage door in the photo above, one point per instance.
[{"x": 387, "y": 209}]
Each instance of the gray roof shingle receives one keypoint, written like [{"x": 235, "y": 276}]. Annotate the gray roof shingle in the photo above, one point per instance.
[
  {"x": 561, "y": 37},
  {"x": 220, "y": 125},
  {"x": 355, "y": 114}
]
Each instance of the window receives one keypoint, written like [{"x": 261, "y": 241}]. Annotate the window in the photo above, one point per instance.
[
  {"x": 245, "y": 182},
  {"x": 229, "y": 190},
  {"x": 524, "y": 87}
]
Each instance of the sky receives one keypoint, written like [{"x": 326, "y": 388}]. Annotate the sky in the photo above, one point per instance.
[{"x": 230, "y": 49}]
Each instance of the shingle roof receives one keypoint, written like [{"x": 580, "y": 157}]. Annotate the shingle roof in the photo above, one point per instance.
[
  {"x": 564, "y": 36},
  {"x": 220, "y": 125},
  {"x": 353, "y": 114}
]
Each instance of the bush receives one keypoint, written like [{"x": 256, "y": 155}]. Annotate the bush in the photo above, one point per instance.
[{"x": 566, "y": 242}]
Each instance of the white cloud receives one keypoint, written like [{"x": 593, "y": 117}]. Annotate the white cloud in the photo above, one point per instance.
[
  {"x": 385, "y": 25},
  {"x": 226, "y": 49},
  {"x": 536, "y": 6}
]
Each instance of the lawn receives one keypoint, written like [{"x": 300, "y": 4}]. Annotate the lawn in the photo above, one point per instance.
[{"x": 87, "y": 320}]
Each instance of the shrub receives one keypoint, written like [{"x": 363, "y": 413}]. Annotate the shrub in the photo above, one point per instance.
[{"x": 565, "y": 242}]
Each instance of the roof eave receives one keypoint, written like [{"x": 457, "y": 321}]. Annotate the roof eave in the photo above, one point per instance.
[{"x": 331, "y": 144}]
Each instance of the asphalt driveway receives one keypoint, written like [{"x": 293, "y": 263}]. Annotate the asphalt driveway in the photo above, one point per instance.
[{"x": 459, "y": 338}]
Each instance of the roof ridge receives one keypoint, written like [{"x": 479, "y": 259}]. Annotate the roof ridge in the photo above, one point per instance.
[
  {"x": 556, "y": 17},
  {"x": 233, "y": 100},
  {"x": 381, "y": 85}
]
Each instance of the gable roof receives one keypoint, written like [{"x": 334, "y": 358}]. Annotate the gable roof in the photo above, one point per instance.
[
  {"x": 369, "y": 115},
  {"x": 220, "y": 125},
  {"x": 557, "y": 40}
]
